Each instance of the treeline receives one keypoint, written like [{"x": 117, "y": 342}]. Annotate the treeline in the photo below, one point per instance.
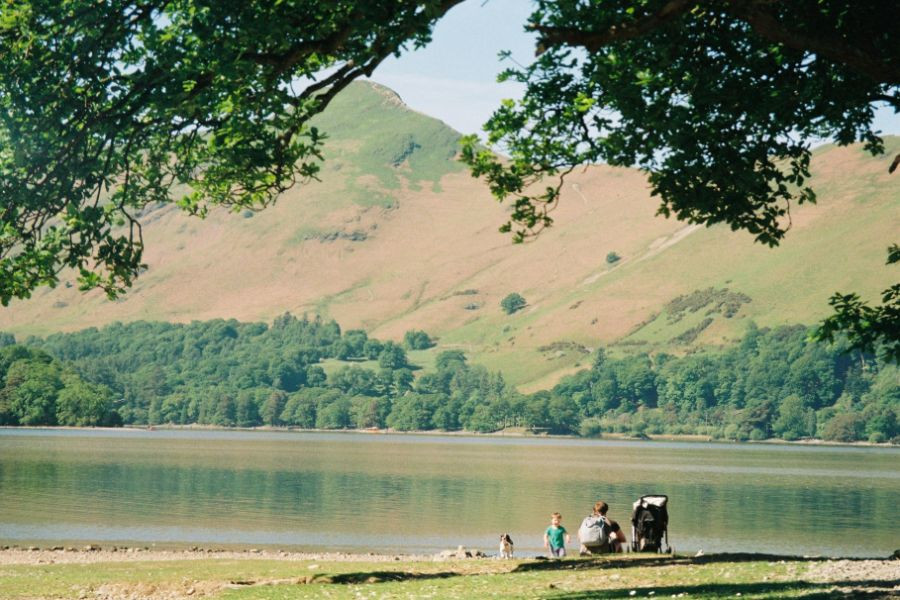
[
  {"x": 774, "y": 383},
  {"x": 35, "y": 389}
]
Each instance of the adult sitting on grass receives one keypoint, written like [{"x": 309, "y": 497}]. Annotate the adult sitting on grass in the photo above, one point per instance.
[{"x": 598, "y": 534}]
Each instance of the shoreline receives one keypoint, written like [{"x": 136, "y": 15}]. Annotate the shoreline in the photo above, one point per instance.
[
  {"x": 92, "y": 553},
  {"x": 508, "y": 433}
]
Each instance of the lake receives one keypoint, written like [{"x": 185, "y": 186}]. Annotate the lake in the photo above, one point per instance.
[{"x": 422, "y": 493}]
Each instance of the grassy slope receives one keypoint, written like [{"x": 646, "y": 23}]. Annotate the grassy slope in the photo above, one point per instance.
[
  {"x": 244, "y": 578},
  {"x": 396, "y": 231}
]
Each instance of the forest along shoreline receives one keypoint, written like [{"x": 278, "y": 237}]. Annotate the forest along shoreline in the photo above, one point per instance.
[{"x": 312, "y": 374}]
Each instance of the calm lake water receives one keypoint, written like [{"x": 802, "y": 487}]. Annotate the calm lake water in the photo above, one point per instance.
[{"x": 396, "y": 493}]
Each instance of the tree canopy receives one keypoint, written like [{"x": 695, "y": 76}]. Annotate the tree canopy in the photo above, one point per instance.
[
  {"x": 106, "y": 107},
  {"x": 513, "y": 302}
]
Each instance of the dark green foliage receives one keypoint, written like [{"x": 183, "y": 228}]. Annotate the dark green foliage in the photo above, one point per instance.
[
  {"x": 688, "y": 336},
  {"x": 774, "y": 383},
  {"x": 334, "y": 415},
  {"x": 512, "y": 302},
  {"x": 38, "y": 390},
  {"x": 612, "y": 258},
  {"x": 372, "y": 349},
  {"x": 229, "y": 373},
  {"x": 392, "y": 356},
  {"x": 869, "y": 328},
  {"x": 270, "y": 411},
  {"x": 723, "y": 302},
  {"x": 368, "y": 412},
  {"x": 417, "y": 340},
  {"x": 450, "y": 359},
  {"x": 357, "y": 235},
  {"x": 217, "y": 372},
  {"x": 413, "y": 412},
  {"x": 301, "y": 408},
  {"x": 564, "y": 347},
  {"x": 80, "y": 403},
  {"x": 351, "y": 345},
  {"x": 795, "y": 419}
]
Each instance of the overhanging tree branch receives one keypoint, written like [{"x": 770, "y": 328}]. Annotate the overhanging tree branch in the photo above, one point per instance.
[
  {"x": 593, "y": 41},
  {"x": 756, "y": 13},
  {"x": 831, "y": 47}
]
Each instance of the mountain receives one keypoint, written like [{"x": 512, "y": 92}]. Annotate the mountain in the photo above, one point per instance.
[{"x": 398, "y": 236}]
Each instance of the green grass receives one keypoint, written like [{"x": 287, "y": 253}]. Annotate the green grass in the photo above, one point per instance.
[
  {"x": 385, "y": 142},
  {"x": 722, "y": 576},
  {"x": 420, "y": 360}
]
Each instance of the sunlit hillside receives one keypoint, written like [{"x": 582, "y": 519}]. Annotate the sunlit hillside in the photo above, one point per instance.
[{"x": 398, "y": 236}]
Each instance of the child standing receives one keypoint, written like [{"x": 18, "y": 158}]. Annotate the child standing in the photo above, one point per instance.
[{"x": 556, "y": 537}]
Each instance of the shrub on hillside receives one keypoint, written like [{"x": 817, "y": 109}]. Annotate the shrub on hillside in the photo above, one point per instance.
[
  {"x": 417, "y": 340},
  {"x": 512, "y": 303}
]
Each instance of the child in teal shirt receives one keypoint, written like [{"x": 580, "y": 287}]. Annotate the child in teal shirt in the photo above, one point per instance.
[{"x": 556, "y": 537}]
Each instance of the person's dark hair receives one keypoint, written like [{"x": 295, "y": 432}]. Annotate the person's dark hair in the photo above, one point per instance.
[{"x": 600, "y": 507}]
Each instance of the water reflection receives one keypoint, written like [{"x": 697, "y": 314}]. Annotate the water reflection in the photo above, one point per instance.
[{"x": 422, "y": 493}]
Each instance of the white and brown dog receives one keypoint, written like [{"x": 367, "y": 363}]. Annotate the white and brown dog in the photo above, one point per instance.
[{"x": 506, "y": 546}]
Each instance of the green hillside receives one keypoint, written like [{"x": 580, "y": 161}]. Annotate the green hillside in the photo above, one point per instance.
[
  {"x": 384, "y": 143},
  {"x": 397, "y": 236}
]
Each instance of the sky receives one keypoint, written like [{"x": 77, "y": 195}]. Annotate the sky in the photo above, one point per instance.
[{"x": 454, "y": 77}]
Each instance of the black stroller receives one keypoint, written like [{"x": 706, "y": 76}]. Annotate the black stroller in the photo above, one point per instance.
[{"x": 649, "y": 523}]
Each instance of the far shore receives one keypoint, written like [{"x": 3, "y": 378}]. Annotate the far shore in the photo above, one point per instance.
[{"x": 509, "y": 432}]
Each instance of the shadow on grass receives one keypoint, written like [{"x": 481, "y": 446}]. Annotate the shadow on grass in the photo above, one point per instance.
[
  {"x": 382, "y": 577},
  {"x": 659, "y": 560},
  {"x": 870, "y": 590}
]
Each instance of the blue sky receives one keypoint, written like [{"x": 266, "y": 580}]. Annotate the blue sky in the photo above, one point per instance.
[{"x": 454, "y": 77}]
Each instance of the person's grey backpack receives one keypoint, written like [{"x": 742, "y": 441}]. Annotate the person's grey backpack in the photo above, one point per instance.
[{"x": 594, "y": 531}]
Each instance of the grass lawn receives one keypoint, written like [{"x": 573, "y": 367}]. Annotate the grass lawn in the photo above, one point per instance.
[{"x": 713, "y": 576}]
